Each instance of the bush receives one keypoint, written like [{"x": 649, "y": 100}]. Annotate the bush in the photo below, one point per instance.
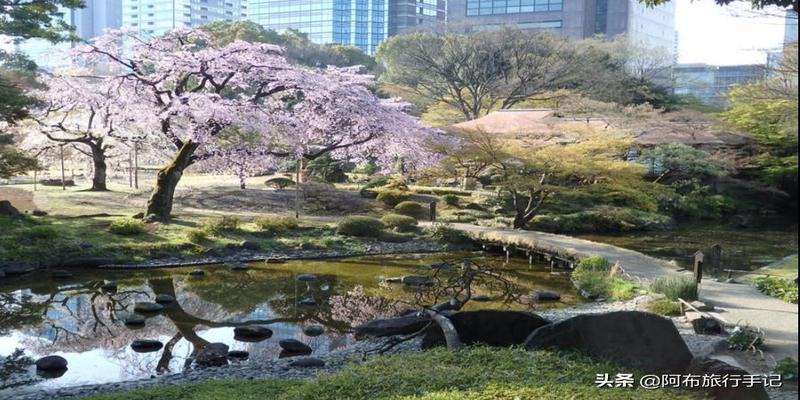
[
  {"x": 279, "y": 182},
  {"x": 218, "y": 226},
  {"x": 42, "y": 232},
  {"x": 360, "y": 225},
  {"x": 276, "y": 224},
  {"x": 664, "y": 307},
  {"x": 593, "y": 277},
  {"x": 784, "y": 289},
  {"x": 412, "y": 209},
  {"x": 196, "y": 235},
  {"x": 368, "y": 189},
  {"x": 622, "y": 289},
  {"x": 601, "y": 219},
  {"x": 445, "y": 234},
  {"x": 128, "y": 227},
  {"x": 450, "y": 200},
  {"x": 787, "y": 369},
  {"x": 400, "y": 223},
  {"x": 368, "y": 168},
  {"x": 392, "y": 197},
  {"x": 745, "y": 338},
  {"x": 594, "y": 263},
  {"x": 676, "y": 287}
]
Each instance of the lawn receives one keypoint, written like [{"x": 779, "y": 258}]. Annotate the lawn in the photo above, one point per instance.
[{"x": 472, "y": 373}]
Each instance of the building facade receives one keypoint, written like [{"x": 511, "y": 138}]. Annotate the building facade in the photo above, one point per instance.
[
  {"x": 407, "y": 14},
  {"x": 155, "y": 17},
  {"x": 573, "y": 19},
  {"x": 709, "y": 83}
]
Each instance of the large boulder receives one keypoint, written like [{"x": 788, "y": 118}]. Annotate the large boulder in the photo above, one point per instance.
[
  {"x": 294, "y": 346},
  {"x": 145, "y": 307},
  {"x": 252, "y": 333},
  {"x": 417, "y": 280},
  {"x": 51, "y": 363},
  {"x": 8, "y": 210},
  {"x": 632, "y": 338},
  {"x": 146, "y": 345},
  {"x": 491, "y": 327},
  {"x": 393, "y": 326},
  {"x": 709, "y": 366},
  {"x": 213, "y": 355}
]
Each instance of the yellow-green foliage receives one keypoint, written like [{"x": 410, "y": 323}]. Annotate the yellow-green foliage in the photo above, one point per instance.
[
  {"x": 592, "y": 275},
  {"x": 412, "y": 209},
  {"x": 665, "y": 307},
  {"x": 359, "y": 225},
  {"x": 196, "y": 235},
  {"x": 400, "y": 223},
  {"x": 276, "y": 224},
  {"x": 450, "y": 200},
  {"x": 218, "y": 226},
  {"x": 392, "y": 197},
  {"x": 128, "y": 227},
  {"x": 676, "y": 287}
]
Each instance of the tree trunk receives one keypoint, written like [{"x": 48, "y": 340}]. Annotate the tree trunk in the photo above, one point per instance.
[
  {"x": 519, "y": 220},
  {"x": 99, "y": 161},
  {"x": 159, "y": 207}
]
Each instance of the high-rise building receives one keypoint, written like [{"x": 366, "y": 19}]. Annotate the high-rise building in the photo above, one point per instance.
[
  {"x": 709, "y": 83},
  {"x": 407, "y": 14},
  {"x": 573, "y": 19},
  {"x": 790, "y": 28},
  {"x": 154, "y": 17},
  {"x": 361, "y": 23}
]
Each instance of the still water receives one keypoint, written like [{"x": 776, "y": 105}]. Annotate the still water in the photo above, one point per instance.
[{"x": 76, "y": 319}]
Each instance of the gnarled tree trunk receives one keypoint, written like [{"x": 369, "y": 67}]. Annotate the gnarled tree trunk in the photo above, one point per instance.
[
  {"x": 159, "y": 207},
  {"x": 99, "y": 161}
]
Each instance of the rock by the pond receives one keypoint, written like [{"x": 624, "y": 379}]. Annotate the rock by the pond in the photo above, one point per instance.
[
  {"x": 251, "y": 333},
  {"x": 701, "y": 366},
  {"x": 51, "y": 363},
  {"x": 134, "y": 320},
  {"x": 294, "y": 346},
  {"x": 165, "y": 299},
  {"x": 545, "y": 295},
  {"x": 634, "y": 339},
  {"x": 275, "y": 260},
  {"x": 60, "y": 274},
  {"x": 197, "y": 272},
  {"x": 249, "y": 245},
  {"x": 307, "y": 362},
  {"x": 491, "y": 327},
  {"x": 8, "y": 210},
  {"x": 307, "y": 302},
  {"x": 146, "y": 345},
  {"x": 314, "y": 330},
  {"x": 240, "y": 354},
  {"x": 417, "y": 280},
  {"x": 706, "y": 326},
  {"x": 213, "y": 355},
  {"x": 39, "y": 213},
  {"x": 288, "y": 354},
  {"x": 237, "y": 266},
  {"x": 481, "y": 297},
  {"x": 307, "y": 277},
  {"x": 700, "y": 306},
  {"x": 109, "y": 286},
  {"x": 147, "y": 307},
  {"x": 392, "y": 326}
]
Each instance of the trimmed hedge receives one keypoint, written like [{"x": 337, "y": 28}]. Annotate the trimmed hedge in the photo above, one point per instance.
[
  {"x": 400, "y": 223},
  {"x": 412, "y": 209},
  {"x": 276, "y": 224},
  {"x": 392, "y": 197},
  {"x": 360, "y": 225}
]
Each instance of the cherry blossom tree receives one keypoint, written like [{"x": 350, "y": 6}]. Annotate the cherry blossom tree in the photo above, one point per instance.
[{"x": 189, "y": 91}]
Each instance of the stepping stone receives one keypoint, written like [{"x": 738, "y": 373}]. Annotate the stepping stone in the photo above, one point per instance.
[
  {"x": 109, "y": 286},
  {"x": 51, "y": 363},
  {"x": 288, "y": 354},
  {"x": 417, "y": 280},
  {"x": 146, "y": 345},
  {"x": 147, "y": 307},
  {"x": 294, "y": 346},
  {"x": 307, "y": 302},
  {"x": 60, "y": 274},
  {"x": 197, "y": 272},
  {"x": 134, "y": 320},
  {"x": 213, "y": 355},
  {"x": 251, "y": 333},
  {"x": 545, "y": 295},
  {"x": 239, "y": 354},
  {"x": 307, "y": 362},
  {"x": 314, "y": 330},
  {"x": 164, "y": 299},
  {"x": 307, "y": 278},
  {"x": 700, "y": 306}
]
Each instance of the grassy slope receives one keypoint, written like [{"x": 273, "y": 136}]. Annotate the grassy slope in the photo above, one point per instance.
[
  {"x": 474, "y": 373},
  {"x": 785, "y": 268}
]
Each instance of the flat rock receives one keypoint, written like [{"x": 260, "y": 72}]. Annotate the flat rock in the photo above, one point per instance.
[
  {"x": 213, "y": 355},
  {"x": 165, "y": 299},
  {"x": 314, "y": 330},
  {"x": 134, "y": 320},
  {"x": 146, "y": 345},
  {"x": 490, "y": 327},
  {"x": 147, "y": 307},
  {"x": 307, "y": 362},
  {"x": 251, "y": 333},
  {"x": 51, "y": 363},
  {"x": 417, "y": 280},
  {"x": 294, "y": 346},
  {"x": 709, "y": 366},
  {"x": 392, "y": 326},
  {"x": 545, "y": 295},
  {"x": 307, "y": 277},
  {"x": 700, "y": 306},
  {"x": 633, "y": 339},
  {"x": 240, "y": 354},
  {"x": 395, "y": 279}
]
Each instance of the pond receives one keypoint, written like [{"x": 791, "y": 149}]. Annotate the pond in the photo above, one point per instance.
[{"x": 76, "y": 319}]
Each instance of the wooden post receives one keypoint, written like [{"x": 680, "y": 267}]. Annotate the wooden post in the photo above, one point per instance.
[
  {"x": 130, "y": 169},
  {"x": 698, "y": 266},
  {"x": 297, "y": 189},
  {"x": 715, "y": 258},
  {"x": 136, "y": 165},
  {"x": 63, "y": 182}
]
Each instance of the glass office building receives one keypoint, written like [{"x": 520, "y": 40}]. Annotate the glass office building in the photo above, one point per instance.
[
  {"x": 360, "y": 23},
  {"x": 154, "y": 17}
]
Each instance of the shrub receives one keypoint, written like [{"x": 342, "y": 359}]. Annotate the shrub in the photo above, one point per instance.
[
  {"x": 594, "y": 263},
  {"x": 676, "y": 287},
  {"x": 42, "y": 232},
  {"x": 392, "y": 197},
  {"x": 360, "y": 225},
  {"x": 276, "y": 224},
  {"x": 787, "y": 369},
  {"x": 218, "y": 226},
  {"x": 412, "y": 209},
  {"x": 745, "y": 338},
  {"x": 593, "y": 277},
  {"x": 601, "y": 219},
  {"x": 400, "y": 223},
  {"x": 279, "y": 182},
  {"x": 445, "y": 234},
  {"x": 368, "y": 189},
  {"x": 450, "y": 200},
  {"x": 368, "y": 168},
  {"x": 665, "y": 307},
  {"x": 784, "y": 289},
  {"x": 196, "y": 235},
  {"x": 128, "y": 227},
  {"x": 622, "y": 289}
]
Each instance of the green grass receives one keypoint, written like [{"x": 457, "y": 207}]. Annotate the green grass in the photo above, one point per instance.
[
  {"x": 665, "y": 307},
  {"x": 674, "y": 288},
  {"x": 472, "y": 373}
]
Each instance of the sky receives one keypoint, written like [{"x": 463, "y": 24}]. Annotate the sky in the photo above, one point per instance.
[{"x": 708, "y": 33}]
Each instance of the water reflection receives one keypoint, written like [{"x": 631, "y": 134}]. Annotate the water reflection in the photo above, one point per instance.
[{"x": 83, "y": 323}]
